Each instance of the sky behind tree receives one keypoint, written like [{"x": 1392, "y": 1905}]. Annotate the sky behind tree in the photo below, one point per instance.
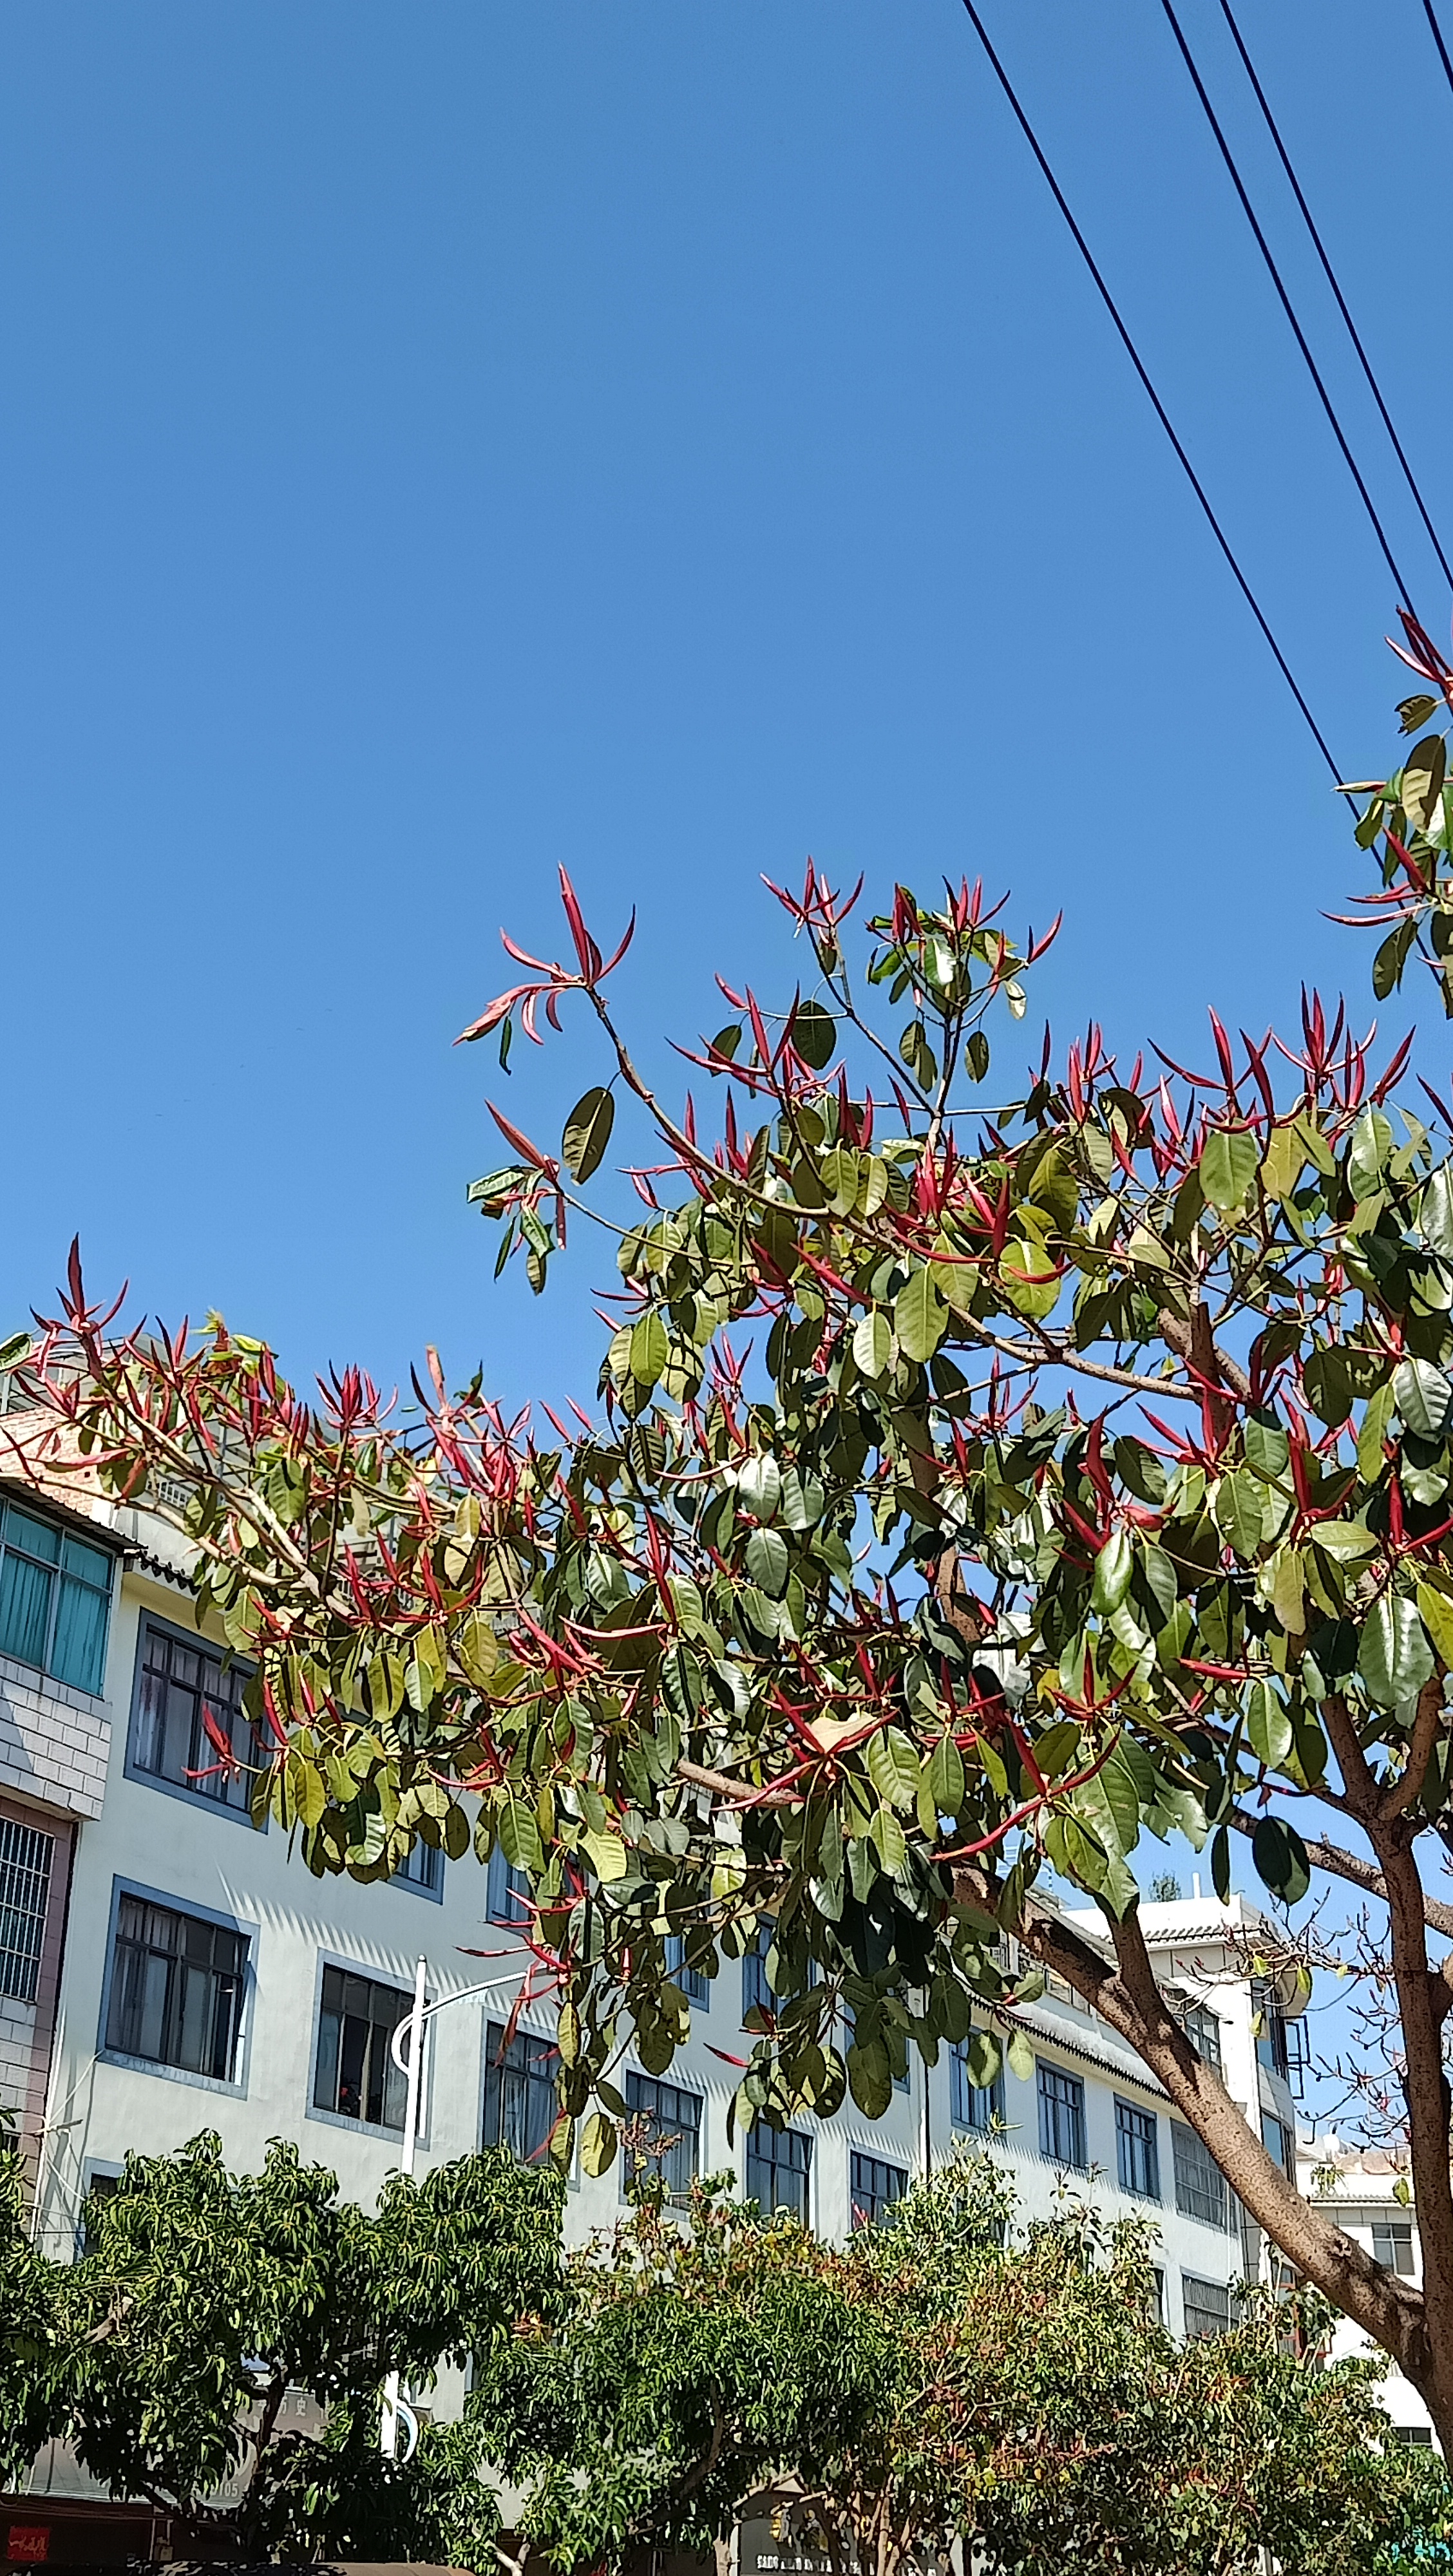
[{"x": 667, "y": 440}]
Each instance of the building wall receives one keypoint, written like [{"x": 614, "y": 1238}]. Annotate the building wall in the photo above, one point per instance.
[{"x": 1358, "y": 2190}]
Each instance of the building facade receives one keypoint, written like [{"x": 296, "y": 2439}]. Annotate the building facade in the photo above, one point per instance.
[
  {"x": 167, "y": 1968},
  {"x": 1366, "y": 2190}
]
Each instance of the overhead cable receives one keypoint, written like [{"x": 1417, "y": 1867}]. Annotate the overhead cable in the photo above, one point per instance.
[
  {"x": 1438, "y": 40},
  {"x": 1330, "y": 274},
  {"x": 1137, "y": 362},
  {"x": 1405, "y": 597}
]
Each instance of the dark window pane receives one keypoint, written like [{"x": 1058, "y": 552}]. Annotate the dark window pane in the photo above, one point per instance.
[
  {"x": 520, "y": 2101},
  {"x": 672, "y": 2142},
  {"x": 973, "y": 2106},
  {"x": 1137, "y": 2150},
  {"x": 874, "y": 2186},
  {"x": 176, "y": 1989},
  {"x": 25, "y": 1858},
  {"x": 424, "y": 1867},
  {"x": 757, "y": 1995},
  {"x": 1062, "y": 2116},
  {"x": 181, "y": 1687},
  {"x": 78, "y": 1652},
  {"x": 355, "y": 2072},
  {"x": 778, "y": 2164},
  {"x": 1392, "y": 2243},
  {"x": 1200, "y": 2183},
  {"x": 694, "y": 1986},
  {"x": 508, "y": 1893},
  {"x": 1207, "y": 2305}
]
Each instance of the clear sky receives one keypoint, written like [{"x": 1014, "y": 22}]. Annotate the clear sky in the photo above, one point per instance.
[{"x": 668, "y": 437}]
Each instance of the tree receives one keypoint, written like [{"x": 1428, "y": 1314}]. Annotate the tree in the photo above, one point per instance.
[
  {"x": 31, "y": 2407},
  {"x": 978, "y": 1486},
  {"x": 204, "y": 2297},
  {"x": 943, "y": 2378}
]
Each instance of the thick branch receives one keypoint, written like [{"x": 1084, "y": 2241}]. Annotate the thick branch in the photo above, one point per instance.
[
  {"x": 1195, "y": 1343},
  {"x": 1409, "y": 1787},
  {"x": 1125, "y": 1995},
  {"x": 1426, "y": 2088}
]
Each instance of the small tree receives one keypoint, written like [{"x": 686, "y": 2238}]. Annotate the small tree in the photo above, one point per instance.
[
  {"x": 942, "y": 2379},
  {"x": 204, "y": 2297},
  {"x": 32, "y": 2407},
  {"x": 981, "y": 1484}
]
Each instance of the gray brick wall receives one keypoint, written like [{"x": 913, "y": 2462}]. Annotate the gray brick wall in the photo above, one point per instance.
[{"x": 54, "y": 1742}]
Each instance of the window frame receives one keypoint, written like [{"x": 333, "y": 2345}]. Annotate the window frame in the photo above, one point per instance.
[
  {"x": 961, "y": 2091},
  {"x": 32, "y": 1957},
  {"x": 638, "y": 2083},
  {"x": 858, "y": 2158},
  {"x": 102, "y": 1544},
  {"x": 432, "y": 1889},
  {"x": 1399, "y": 2235},
  {"x": 1220, "y": 2290},
  {"x": 1195, "y": 2151},
  {"x": 1132, "y": 2119},
  {"x": 1048, "y": 2073},
  {"x": 235, "y": 2087},
  {"x": 132, "y": 1768},
  {"x": 777, "y": 2162},
  {"x": 694, "y": 1986},
  {"x": 314, "y": 2109},
  {"x": 501, "y": 1882},
  {"x": 496, "y": 2067}
]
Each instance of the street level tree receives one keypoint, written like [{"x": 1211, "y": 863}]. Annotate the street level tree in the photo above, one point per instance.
[{"x": 985, "y": 1476}]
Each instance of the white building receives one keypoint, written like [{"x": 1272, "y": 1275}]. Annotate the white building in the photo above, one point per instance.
[
  {"x": 1365, "y": 2189},
  {"x": 165, "y": 1968}
]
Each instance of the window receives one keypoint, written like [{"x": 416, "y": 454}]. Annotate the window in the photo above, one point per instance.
[
  {"x": 874, "y": 2187},
  {"x": 778, "y": 2164},
  {"x": 973, "y": 2106},
  {"x": 1061, "y": 2116},
  {"x": 55, "y": 1593},
  {"x": 356, "y": 2075},
  {"x": 100, "y": 2187},
  {"x": 508, "y": 1893},
  {"x": 423, "y": 1869},
  {"x": 181, "y": 1684},
  {"x": 1418, "y": 2436},
  {"x": 520, "y": 2101},
  {"x": 1200, "y": 2184},
  {"x": 1392, "y": 2243},
  {"x": 694, "y": 1986},
  {"x": 176, "y": 1989},
  {"x": 1271, "y": 2035},
  {"x": 1206, "y": 2304},
  {"x": 25, "y": 1859},
  {"x": 1203, "y": 2029},
  {"x": 1278, "y": 2141},
  {"x": 671, "y": 2141},
  {"x": 1137, "y": 2150}
]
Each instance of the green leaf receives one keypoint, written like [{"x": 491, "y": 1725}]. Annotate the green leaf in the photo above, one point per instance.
[
  {"x": 946, "y": 1776},
  {"x": 759, "y": 1485},
  {"x": 1240, "y": 1509},
  {"x": 1113, "y": 1569},
  {"x": 13, "y": 1351},
  {"x": 598, "y": 2143},
  {"x": 1423, "y": 1396},
  {"x": 1021, "y": 2057},
  {"x": 1268, "y": 1725},
  {"x": 767, "y": 1562},
  {"x": 873, "y": 1343},
  {"x": 919, "y": 1315},
  {"x": 587, "y": 1132},
  {"x": 1392, "y": 957},
  {"x": 1436, "y": 1213},
  {"x": 1394, "y": 1657},
  {"x": 1227, "y": 1167},
  {"x": 1370, "y": 1153},
  {"x": 519, "y": 1839},
  {"x": 607, "y": 1856},
  {"x": 1029, "y": 1278},
  {"x": 1423, "y": 774},
  {"x": 814, "y": 1034},
  {"x": 870, "y": 2077},
  {"x": 1437, "y": 1617},
  {"x": 650, "y": 1348},
  {"x": 1281, "y": 1859},
  {"x": 892, "y": 1767},
  {"x": 890, "y": 1839},
  {"x": 1221, "y": 1864}
]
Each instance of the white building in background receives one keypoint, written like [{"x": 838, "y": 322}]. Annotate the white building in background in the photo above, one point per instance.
[
  {"x": 165, "y": 1968},
  {"x": 1361, "y": 2188}
]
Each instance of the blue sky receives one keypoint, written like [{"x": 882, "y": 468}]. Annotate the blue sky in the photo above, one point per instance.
[{"x": 438, "y": 443}]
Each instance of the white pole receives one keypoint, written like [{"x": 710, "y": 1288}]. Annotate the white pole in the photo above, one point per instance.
[{"x": 388, "y": 2431}]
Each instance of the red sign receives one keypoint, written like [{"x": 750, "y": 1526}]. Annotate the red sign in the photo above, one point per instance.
[{"x": 28, "y": 2544}]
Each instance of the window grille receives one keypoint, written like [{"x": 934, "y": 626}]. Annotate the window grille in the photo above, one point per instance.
[
  {"x": 1062, "y": 2116},
  {"x": 520, "y": 2101},
  {"x": 1137, "y": 2150},
  {"x": 874, "y": 2187},
  {"x": 1200, "y": 2183},
  {"x": 176, "y": 1989},
  {"x": 55, "y": 1598},
  {"x": 182, "y": 1684},
  {"x": 1206, "y": 2305},
  {"x": 25, "y": 1861},
  {"x": 779, "y": 2162},
  {"x": 672, "y": 2141},
  {"x": 355, "y": 2073}
]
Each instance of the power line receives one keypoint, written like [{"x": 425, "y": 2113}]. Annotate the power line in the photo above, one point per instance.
[
  {"x": 1330, "y": 275},
  {"x": 1405, "y": 595},
  {"x": 1162, "y": 415},
  {"x": 1438, "y": 40}
]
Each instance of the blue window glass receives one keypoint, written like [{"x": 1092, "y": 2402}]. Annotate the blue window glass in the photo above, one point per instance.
[
  {"x": 874, "y": 2186},
  {"x": 189, "y": 1727},
  {"x": 508, "y": 1894},
  {"x": 55, "y": 1596},
  {"x": 1137, "y": 2150},
  {"x": 973, "y": 2106},
  {"x": 778, "y": 2164},
  {"x": 424, "y": 1868},
  {"x": 1062, "y": 2116},
  {"x": 694, "y": 1986}
]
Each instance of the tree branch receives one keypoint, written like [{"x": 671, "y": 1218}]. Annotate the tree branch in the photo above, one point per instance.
[
  {"x": 1409, "y": 1787},
  {"x": 1363, "y": 1874}
]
